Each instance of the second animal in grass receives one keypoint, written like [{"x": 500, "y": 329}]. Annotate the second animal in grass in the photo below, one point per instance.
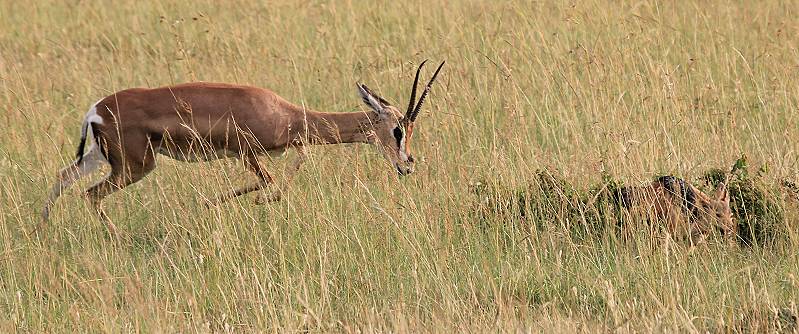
[{"x": 686, "y": 210}]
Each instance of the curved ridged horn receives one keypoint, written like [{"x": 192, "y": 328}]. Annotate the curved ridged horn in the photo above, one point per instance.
[
  {"x": 415, "y": 113},
  {"x": 412, "y": 101}
]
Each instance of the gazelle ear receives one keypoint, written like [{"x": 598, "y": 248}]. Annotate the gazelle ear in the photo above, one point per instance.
[{"x": 374, "y": 101}]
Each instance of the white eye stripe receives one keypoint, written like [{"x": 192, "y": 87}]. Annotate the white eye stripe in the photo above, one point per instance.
[
  {"x": 401, "y": 136},
  {"x": 402, "y": 154}
]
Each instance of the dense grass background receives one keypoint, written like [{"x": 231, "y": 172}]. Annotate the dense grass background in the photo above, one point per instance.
[{"x": 629, "y": 89}]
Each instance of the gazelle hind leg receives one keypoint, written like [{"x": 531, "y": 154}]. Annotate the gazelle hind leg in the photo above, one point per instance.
[
  {"x": 96, "y": 193},
  {"x": 107, "y": 186},
  {"x": 112, "y": 183},
  {"x": 91, "y": 161}
]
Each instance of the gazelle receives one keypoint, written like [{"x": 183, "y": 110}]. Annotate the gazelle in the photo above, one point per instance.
[
  {"x": 686, "y": 210},
  {"x": 205, "y": 121}
]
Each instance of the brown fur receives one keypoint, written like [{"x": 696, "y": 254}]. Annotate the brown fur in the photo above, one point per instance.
[
  {"x": 686, "y": 211},
  {"x": 198, "y": 121}
]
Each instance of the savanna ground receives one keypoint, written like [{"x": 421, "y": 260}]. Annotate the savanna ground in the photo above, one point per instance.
[{"x": 588, "y": 90}]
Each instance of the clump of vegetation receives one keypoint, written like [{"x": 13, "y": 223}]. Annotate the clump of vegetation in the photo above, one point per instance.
[
  {"x": 550, "y": 199},
  {"x": 763, "y": 319},
  {"x": 753, "y": 202},
  {"x": 545, "y": 199}
]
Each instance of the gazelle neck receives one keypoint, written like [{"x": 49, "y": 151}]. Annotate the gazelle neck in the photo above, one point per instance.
[{"x": 335, "y": 128}]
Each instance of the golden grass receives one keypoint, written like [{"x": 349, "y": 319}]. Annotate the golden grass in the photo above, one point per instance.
[{"x": 629, "y": 88}]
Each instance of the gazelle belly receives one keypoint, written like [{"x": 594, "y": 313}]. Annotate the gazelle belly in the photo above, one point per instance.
[{"x": 199, "y": 154}]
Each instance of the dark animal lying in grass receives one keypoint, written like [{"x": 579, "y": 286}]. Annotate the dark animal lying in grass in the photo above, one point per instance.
[{"x": 686, "y": 211}]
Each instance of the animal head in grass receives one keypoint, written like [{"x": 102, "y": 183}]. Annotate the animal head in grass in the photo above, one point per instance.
[
  {"x": 392, "y": 131},
  {"x": 686, "y": 210}
]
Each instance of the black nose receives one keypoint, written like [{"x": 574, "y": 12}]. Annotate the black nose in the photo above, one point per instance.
[
  {"x": 410, "y": 158},
  {"x": 401, "y": 171}
]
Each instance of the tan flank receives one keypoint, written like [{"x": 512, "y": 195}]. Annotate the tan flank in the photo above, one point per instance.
[
  {"x": 206, "y": 121},
  {"x": 686, "y": 211}
]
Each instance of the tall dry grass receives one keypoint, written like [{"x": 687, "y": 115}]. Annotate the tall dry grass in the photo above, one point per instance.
[{"x": 630, "y": 89}]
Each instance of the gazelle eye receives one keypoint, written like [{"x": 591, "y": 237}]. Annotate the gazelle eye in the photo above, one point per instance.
[{"x": 398, "y": 135}]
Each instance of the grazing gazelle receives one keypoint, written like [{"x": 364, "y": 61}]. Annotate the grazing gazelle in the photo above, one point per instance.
[
  {"x": 686, "y": 210},
  {"x": 205, "y": 121}
]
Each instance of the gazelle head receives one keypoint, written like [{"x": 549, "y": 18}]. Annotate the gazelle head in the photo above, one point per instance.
[{"x": 392, "y": 131}]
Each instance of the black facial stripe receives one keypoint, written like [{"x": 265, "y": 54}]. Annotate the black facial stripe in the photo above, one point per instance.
[{"x": 398, "y": 135}]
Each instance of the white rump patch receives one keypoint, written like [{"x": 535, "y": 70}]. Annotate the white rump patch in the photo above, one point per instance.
[{"x": 92, "y": 116}]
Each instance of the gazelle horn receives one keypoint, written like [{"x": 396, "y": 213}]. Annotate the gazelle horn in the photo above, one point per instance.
[
  {"x": 412, "y": 116},
  {"x": 412, "y": 101}
]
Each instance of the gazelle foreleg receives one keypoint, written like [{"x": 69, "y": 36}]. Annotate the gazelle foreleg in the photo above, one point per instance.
[
  {"x": 291, "y": 171},
  {"x": 264, "y": 179}
]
